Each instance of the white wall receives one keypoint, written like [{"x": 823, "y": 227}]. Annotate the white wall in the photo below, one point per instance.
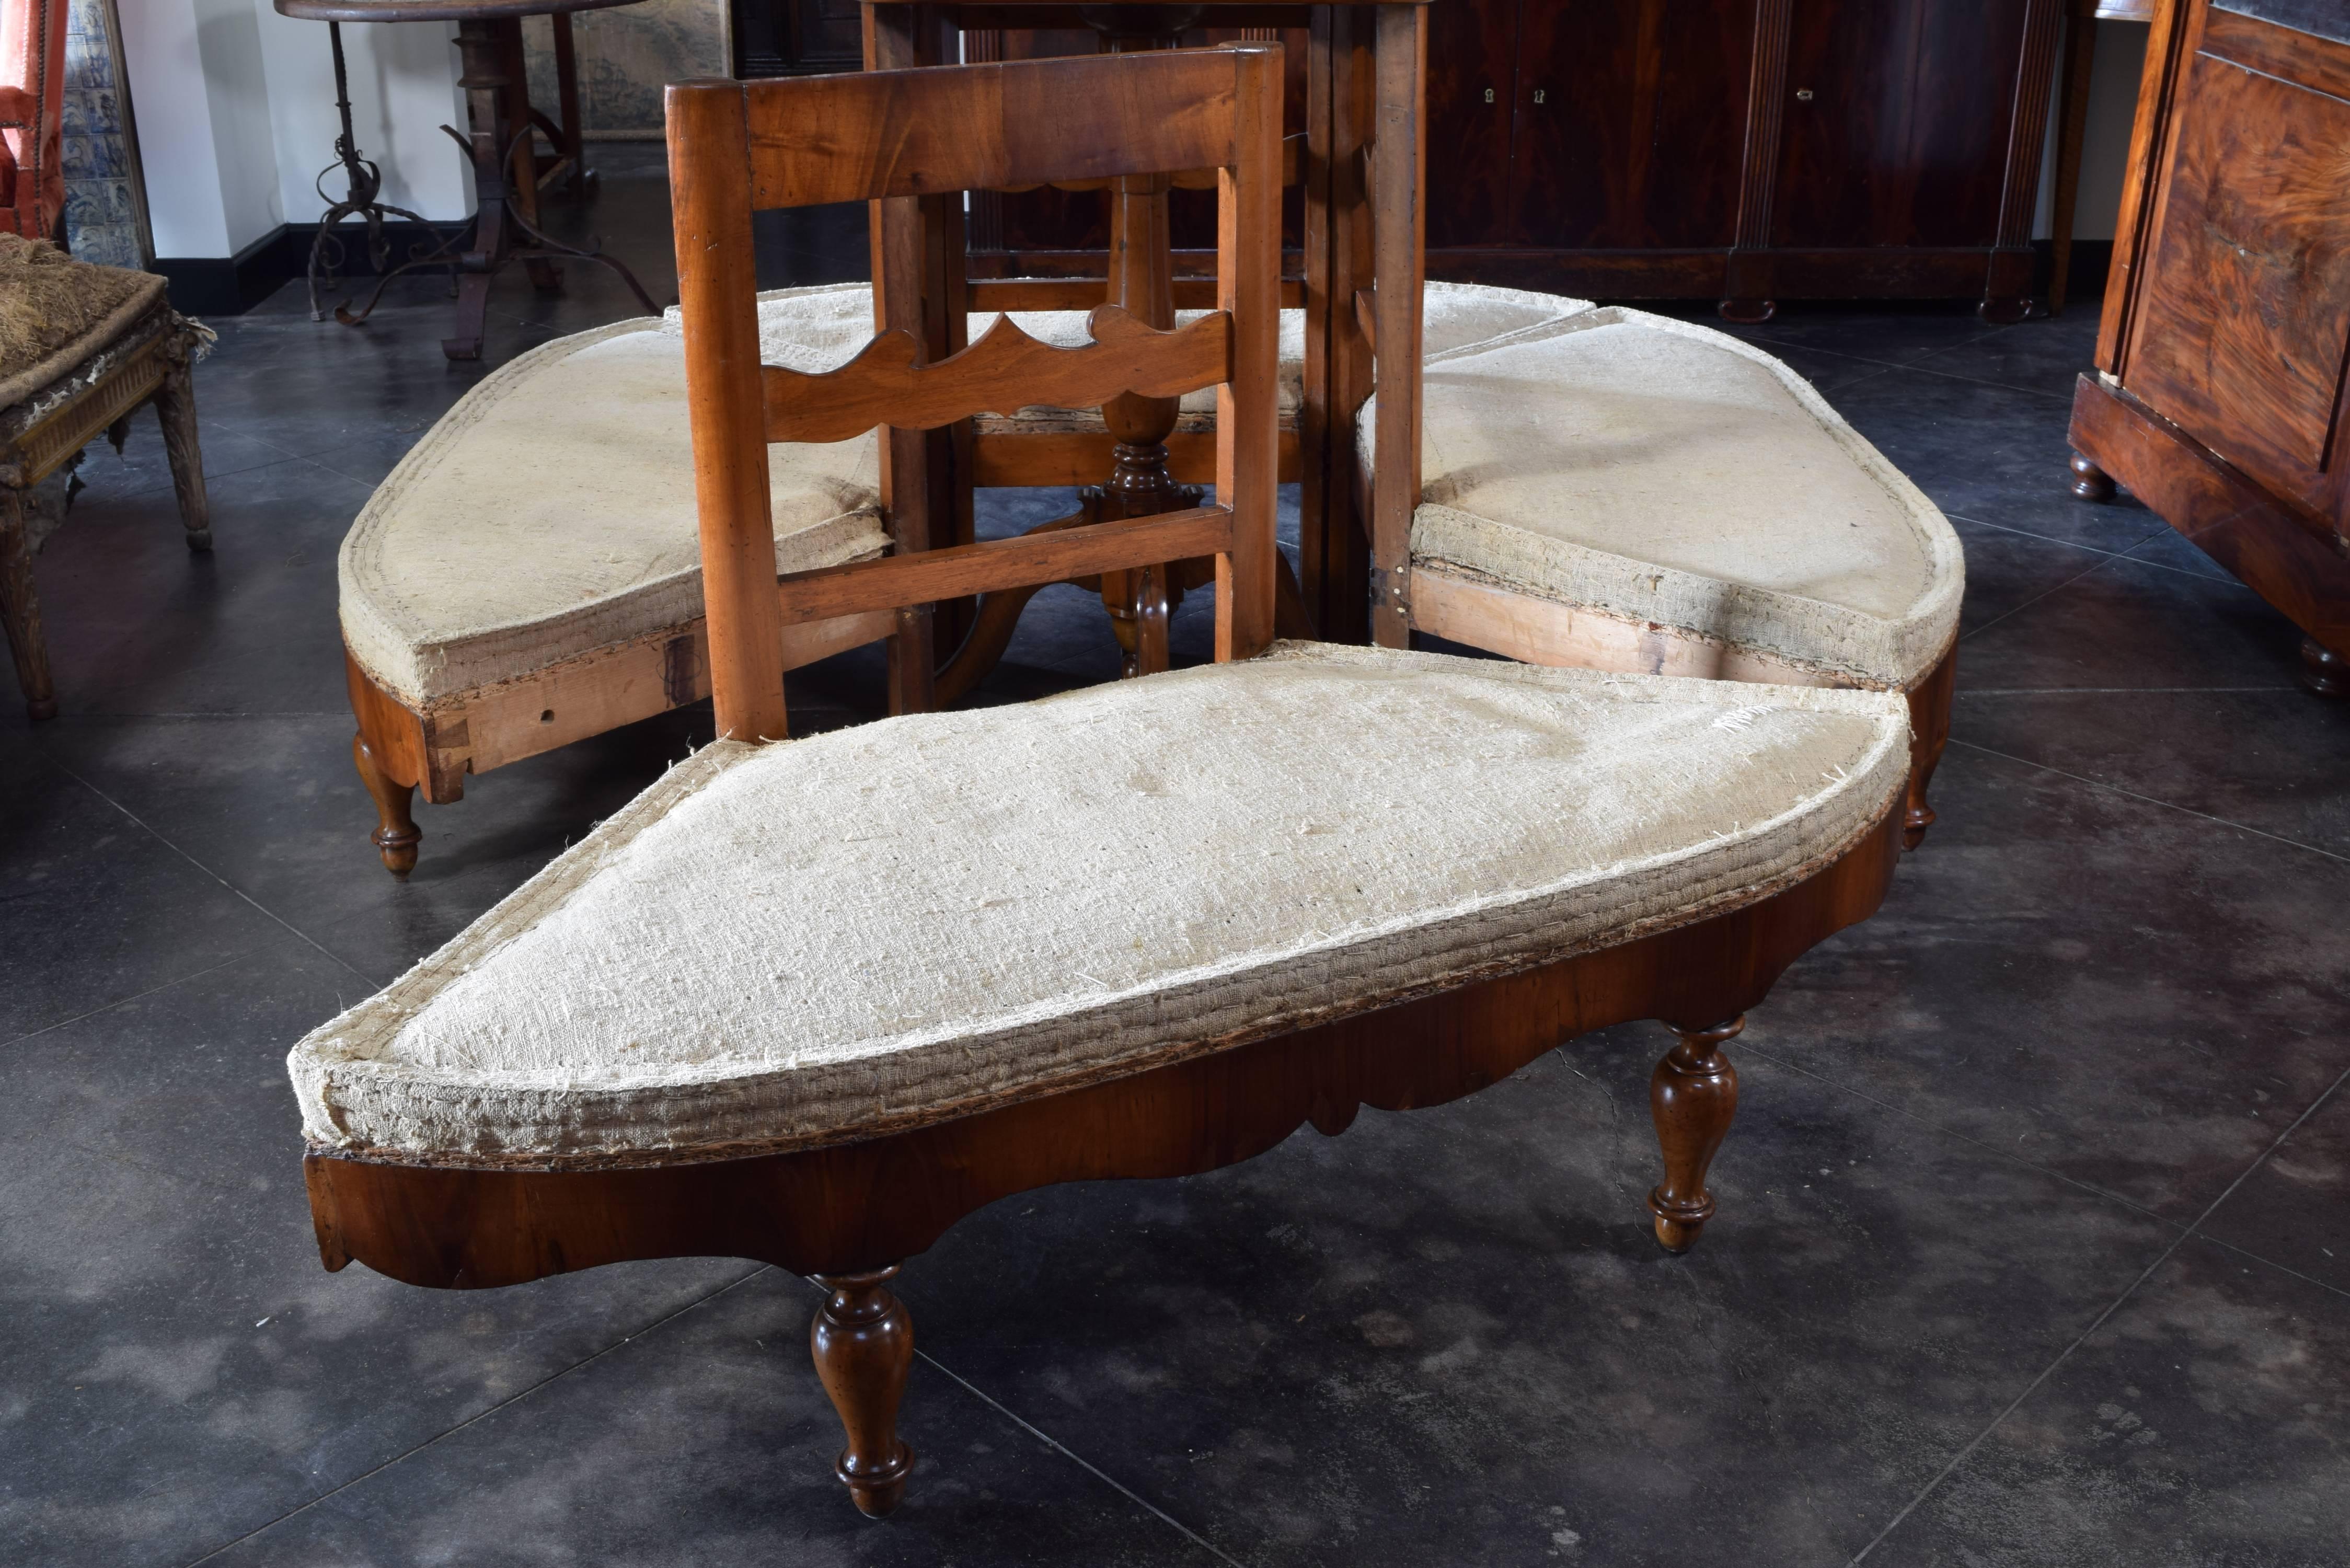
[
  {"x": 236, "y": 109},
  {"x": 2104, "y": 146}
]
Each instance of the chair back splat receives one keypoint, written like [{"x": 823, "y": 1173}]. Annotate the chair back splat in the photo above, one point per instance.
[{"x": 738, "y": 147}]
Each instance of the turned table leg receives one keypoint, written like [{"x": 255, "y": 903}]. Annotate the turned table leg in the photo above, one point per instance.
[
  {"x": 864, "y": 1344},
  {"x": 1692, "y": 1095}
]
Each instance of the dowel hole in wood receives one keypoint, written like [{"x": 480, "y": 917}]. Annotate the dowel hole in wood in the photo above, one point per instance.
[{"x": 547, "y": 717}]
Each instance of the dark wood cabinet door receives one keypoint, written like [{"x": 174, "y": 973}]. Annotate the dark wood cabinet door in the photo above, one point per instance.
[
  {"x": 1472, "y": 88},
  {"x": 796, "y": 37},
  {"x": 1897, "y": 123},
  {"x": 1631, "y": 123}
]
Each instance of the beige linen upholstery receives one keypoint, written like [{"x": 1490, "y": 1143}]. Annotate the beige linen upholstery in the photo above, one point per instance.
[
  {"x": 1665, "y": 474},
  {"x": 827, "y": 939},
  {"x": 551, "y": 513}
]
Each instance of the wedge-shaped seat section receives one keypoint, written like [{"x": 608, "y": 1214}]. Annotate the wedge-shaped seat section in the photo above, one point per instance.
[
  {"x": 920, "y": 918},
  {"x": 1628, "y": 492},
  {"x": 550, "y": 513}
]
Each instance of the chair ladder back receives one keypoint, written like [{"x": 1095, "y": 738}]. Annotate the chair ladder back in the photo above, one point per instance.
[{"x": 889, "y": 135}]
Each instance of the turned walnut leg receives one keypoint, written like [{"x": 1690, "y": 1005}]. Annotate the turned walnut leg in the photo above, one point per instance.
[
  {"x": 396, "y": 835},
  {"x": 1692, "y": 1095},
  {"x": 863, "y": 1344},
  {"x": 1929, "y": 733},
  {"x": 175, "y": 407},
  {"x": 20, "y": 608},
  {"x": 2091, "y": 482}
]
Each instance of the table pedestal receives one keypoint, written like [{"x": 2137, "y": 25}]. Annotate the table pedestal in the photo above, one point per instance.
[{"x": 505, "y": 181}]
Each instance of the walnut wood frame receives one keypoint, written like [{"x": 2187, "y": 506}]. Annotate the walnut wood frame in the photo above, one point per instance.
[
  {"x": 2222, "y": 391},
  {"x": 851, "y": 1212}
]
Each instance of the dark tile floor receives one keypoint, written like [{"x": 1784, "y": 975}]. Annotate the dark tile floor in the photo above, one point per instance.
[{"x": 2036, "y": 1235}]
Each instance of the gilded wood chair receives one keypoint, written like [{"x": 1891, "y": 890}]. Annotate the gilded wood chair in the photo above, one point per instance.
[
  {"x": 96, "y": 345},
  {"x": 812, "y": 1003}
]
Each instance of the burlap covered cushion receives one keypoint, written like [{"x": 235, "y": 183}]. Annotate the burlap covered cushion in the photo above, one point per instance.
[
  {"x": 551, "y": 513},
  {"x": 827, "y": 939},
  {"x": 56, "y": 311},
  {"x": 1667, "y": 474}
]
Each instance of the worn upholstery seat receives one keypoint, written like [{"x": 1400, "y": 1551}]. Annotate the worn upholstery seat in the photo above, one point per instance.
[
  {"x": 551, "y": 513},
  {"x": 930, "y": 915},
  {"x": 1624, "y": 491}
]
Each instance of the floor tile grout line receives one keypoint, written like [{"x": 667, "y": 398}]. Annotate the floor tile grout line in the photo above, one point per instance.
[
  {"x": 2149, "y": 800},
  {"x": 2190, "y": 1233},
  {"x": 122, "y": 1001},
  {"x": 2269, "y": 1262},
  {"x": 2130, "y": 555},
  {"x": 2036, "y": 598},
  {"x": 1096, "y": 1471},
  {"x": 482, "y": 1414},
  {"x": 208, "y": 871}
]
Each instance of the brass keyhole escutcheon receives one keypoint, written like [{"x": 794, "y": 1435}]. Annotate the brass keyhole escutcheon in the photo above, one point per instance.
[
  {"x": 1538, "y": 95},
  {"x": 1489, "y": 95}
]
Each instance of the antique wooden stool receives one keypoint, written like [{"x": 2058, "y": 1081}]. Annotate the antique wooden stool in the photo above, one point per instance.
[
  {"x": 108, "y": 341},
  {"x": 812, "y": 1002}
]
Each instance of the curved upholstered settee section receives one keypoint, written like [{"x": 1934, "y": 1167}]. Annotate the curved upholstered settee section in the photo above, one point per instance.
[
  {"x": 839, "y": 937},
  {"x": 1663, "y": 473},
  {"x": 551, "y": 513}
]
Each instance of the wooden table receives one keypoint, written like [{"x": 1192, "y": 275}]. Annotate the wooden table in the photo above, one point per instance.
[
  {"x": 507, "y": 172},
  {"x": 1366, "y": 85}
]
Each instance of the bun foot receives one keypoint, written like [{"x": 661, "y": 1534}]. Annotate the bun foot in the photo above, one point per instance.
[
  {"x": 1914, "y": 824},
  {"x": 1676, "y": 1236},
  {"x": 2323, "y": 671},
  {"x": 2091, "y": 482}
]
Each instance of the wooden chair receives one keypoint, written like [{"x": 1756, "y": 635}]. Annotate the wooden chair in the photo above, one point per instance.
[
  {"x": 812, "y": 1003},
  {"x": 108, "y": 344}
]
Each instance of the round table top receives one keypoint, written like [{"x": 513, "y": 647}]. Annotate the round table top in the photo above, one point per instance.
[{"x": 433, "y": 10}]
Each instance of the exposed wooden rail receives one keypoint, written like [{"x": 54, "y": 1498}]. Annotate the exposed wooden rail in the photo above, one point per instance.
[{"x": 997, "y": 564}]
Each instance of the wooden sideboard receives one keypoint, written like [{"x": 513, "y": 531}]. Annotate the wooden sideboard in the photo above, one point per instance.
[
  {"x": 1744, "y": 150},
  {"x": 1741, "y": 150},
  {"x": 2222, "y": 390}
]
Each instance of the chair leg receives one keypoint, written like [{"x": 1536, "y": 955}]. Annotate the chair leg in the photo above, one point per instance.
[
  {"x": 175, "y": 408},
  {"x": 20, "y": 610},
  {"x": 1692, "y": 1095},
  {"x": 864, "y": 1345},
  {"x": 396, "y": 835}
]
